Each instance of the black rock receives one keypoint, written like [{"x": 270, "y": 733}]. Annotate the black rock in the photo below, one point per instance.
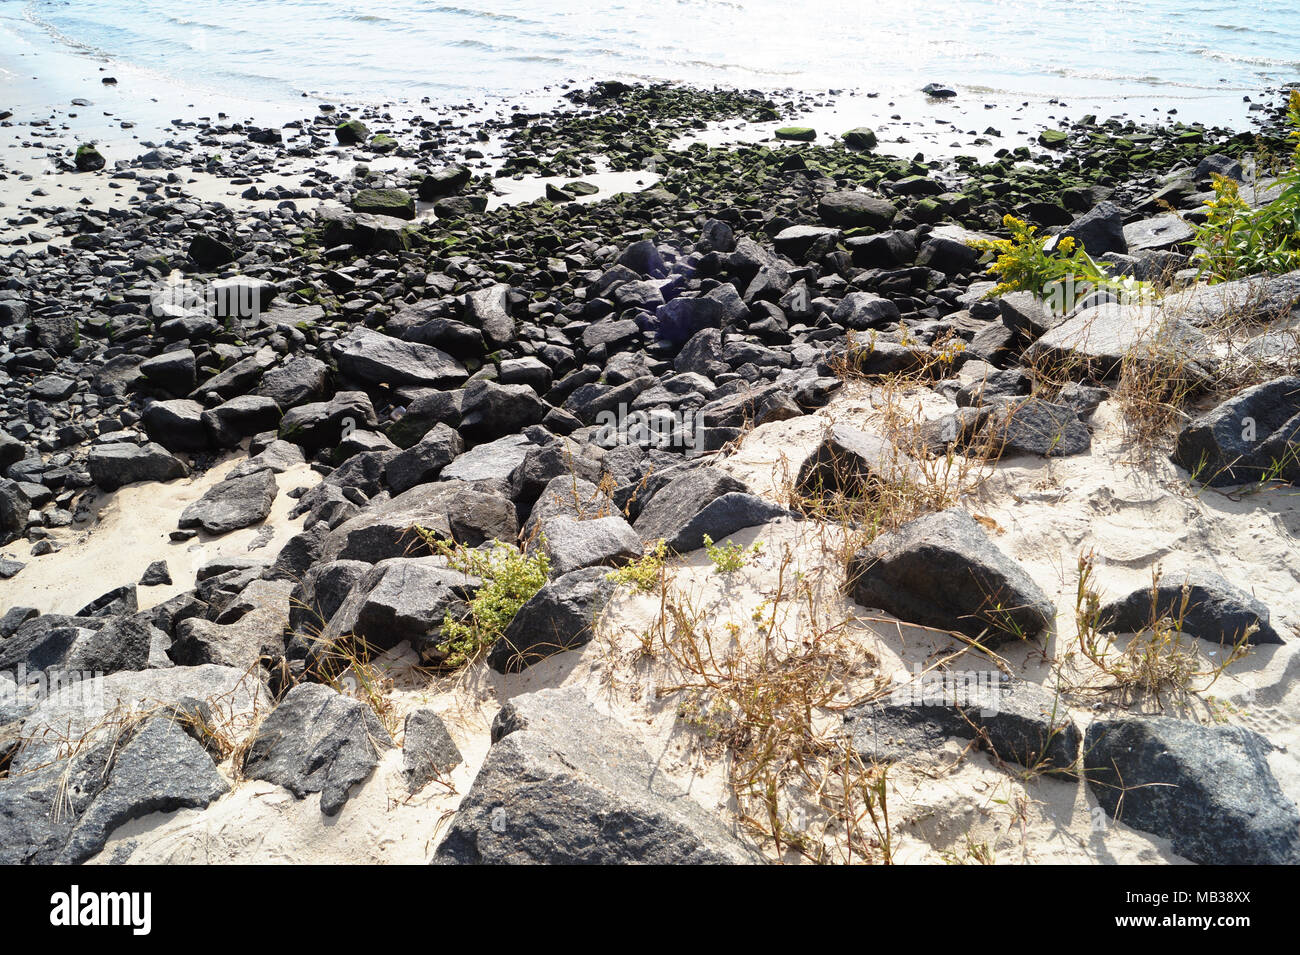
[
  {"x": 156, "y": 574},
  {"x": 1216, "y": 610},
  {"x": 1099, "y": 231},
  {"x": 1207, "y": 789},
  {"x": 160, "y": 768},
  {"x": 1035, "y": 426},
  {"x": 853, "y": 463},
  {"x": 424, "y": 460},
  {"x": 563, "y": 783},
  {"x": 559, "y": 617},
  {"x": 942, "y": 571},
  {"x": 317, "y": 740},
  {"x": 1250, "y": 437}
]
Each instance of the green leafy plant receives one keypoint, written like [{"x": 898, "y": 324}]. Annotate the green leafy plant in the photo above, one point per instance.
[
  {"x": 645, "y": 573},
  {"x": 729, "y": 558},
  {"x": 1060, "y": 275},
  {"x": 1236, "y": 240},
  {"x": 509, "y": 578}
]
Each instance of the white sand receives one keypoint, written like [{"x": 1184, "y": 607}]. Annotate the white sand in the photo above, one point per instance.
[{"x": 132, "y": 532}]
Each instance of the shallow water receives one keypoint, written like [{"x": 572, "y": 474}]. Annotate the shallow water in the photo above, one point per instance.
[{"x": 1201, "y": 57}]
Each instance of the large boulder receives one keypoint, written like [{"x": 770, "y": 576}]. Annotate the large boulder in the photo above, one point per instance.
[
  {"x": 572, "y": 544},
  {"x": 401, "y": 598},
  {"x": 1207, "y": 789},
  {"x": 424, "y": 460},
  {"x": 177, "y": 425},
  {"x": 317, "y": 741},
  {"x": 1250, "y": 437},
  {"x": 490, "y": 410},
  {"x": 942, "y": 571},
  {"x": 566, "y": 784},
  {"x": 488, "y": 310},
  {"x": 1035, "y": 426},
  {"x": 232, "y": 504},
  {"x": 561, "y": 616}
]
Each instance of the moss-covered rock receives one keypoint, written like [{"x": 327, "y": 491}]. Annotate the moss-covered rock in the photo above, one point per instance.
[
  {"x": 89, "y": 158},
  {"x": 352, "y": 132},
  {"x": 801, "y": 134},
  {"x": 860, "y": 138},
  {"x": 385, "y": 202}
]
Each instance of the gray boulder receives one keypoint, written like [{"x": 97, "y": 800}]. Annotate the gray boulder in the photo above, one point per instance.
[
  {"x": 232, "y": 504},
  {"x": 375, "y": 358},
  {"x": 1035, "y": 426},
  {"x": 317, "y": 740},
  {"x": 854, "y": 463},
  {"x": 702, "y": 501},
  {"x": 489, "y": 311},
  {"x": 424, "y": 460},
  {"x": 1207, "y": 789},
  {"x": 1100, "y": 230},
  {"x": 942, "y": 571},
  {"x": 563, "y": 783}
]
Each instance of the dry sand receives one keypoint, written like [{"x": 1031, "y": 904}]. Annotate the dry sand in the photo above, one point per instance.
[
  {"x": 132, "y": 532},
  {"x": 953, "y": 805}
]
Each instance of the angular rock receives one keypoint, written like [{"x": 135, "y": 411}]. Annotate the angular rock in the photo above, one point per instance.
[
  {"x": 854, "y": 463},
  {"x": 375, "y": 358},
  {"x": 1019, "y": 722},
  {"x": 1207, "y": 789},
  {"x": 160, "y": 768},
  {"x": 1216, "y": 610},
  {"x": 942, "y": 571},
  {"x": 115, "y": 465},
  {"x": 232, "y": 504},
  {"x": 573, "y": 544},
  {"x": 317, "y": 740},
  {"x": 1250, "y": 437},
  {"x": 1035, "y": 426},
  {"x": 428, "y": 750},
  {"x": 563, "y": 783},
  {"x": 424, "y": 460},
  {"x": 561, "y": 616}
]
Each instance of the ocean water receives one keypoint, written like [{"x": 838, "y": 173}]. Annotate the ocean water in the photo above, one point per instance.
[{"x": 1171, "y": 51}]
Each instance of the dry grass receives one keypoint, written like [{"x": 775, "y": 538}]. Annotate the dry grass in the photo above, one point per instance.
[{"x": 1160, "y": 664}]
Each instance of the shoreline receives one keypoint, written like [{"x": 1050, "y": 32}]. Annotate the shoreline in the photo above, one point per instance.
[{"x": 421, "y": 324}]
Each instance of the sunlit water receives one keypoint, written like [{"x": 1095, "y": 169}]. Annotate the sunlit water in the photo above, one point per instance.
[{"x": 390, "y": 49}]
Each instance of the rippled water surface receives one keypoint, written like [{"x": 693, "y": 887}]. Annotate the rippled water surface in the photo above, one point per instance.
[{"x": 415, "y": 48}]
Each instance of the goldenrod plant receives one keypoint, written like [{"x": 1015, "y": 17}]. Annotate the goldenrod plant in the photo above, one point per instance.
[
  {"x": 1056, "y": 270},
  {"x": 1238, "y": 240}
]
